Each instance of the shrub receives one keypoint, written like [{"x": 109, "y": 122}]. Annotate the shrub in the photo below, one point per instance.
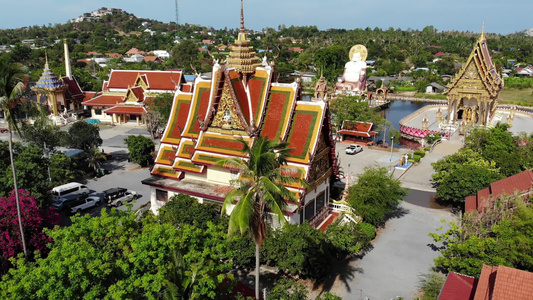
[
  {"x": 430, "y": 139},
  {"x": 349, "y": 238},
  {"x": 411, "y": 160},
  {"x": 140, "y": 148},
  {"x": 368, "y": 229},
  {"x": 416, "y": 158},
  {"x": 420, "y": 153},
  {"x": 184, "y": 209},
  {"x": 427, "y": 149}
]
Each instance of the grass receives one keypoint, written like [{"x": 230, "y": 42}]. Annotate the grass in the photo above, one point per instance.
[
  {"x": 516, "y": 96},
  {"x": 430, "y": 96}
]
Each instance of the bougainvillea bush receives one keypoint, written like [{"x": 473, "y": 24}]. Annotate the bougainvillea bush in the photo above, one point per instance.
[{"x": 33, "y": 222}]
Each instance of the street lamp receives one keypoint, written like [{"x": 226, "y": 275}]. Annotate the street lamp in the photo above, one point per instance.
[{"x": 392, "y": 147}]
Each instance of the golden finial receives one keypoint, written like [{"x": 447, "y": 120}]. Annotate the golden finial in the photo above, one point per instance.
[
  {"x": 483, "y": 30},
  {"x": 242, "y": 16}
]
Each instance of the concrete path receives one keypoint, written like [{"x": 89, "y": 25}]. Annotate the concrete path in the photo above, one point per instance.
[{"x": 402, "y": 251}]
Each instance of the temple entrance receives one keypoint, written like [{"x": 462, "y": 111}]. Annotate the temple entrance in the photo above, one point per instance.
[{"x": 460, "y": 114}]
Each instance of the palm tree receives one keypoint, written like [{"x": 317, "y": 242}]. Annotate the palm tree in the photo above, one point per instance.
[
  {"x": 259, "y": 190},
  {"x": 94, "y": 157},
  {"x": 11, "y": 90}
]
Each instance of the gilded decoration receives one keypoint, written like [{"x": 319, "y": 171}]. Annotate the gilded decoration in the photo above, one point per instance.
[
  {"x": 226, "y": 116},
  {"x": 321, "y": 164}
]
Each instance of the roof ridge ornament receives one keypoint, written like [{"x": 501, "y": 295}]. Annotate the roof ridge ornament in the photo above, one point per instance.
[{"x": 242, "y": 17}]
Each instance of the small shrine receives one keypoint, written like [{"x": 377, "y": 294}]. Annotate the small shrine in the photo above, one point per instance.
[
  {"x": 353, "y": 80},
  {"x": 52, "y": 88},
  {"x": 321, "y": 89}
]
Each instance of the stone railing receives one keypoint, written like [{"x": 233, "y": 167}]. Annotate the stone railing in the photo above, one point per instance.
[{"x": 319, "y": 217}]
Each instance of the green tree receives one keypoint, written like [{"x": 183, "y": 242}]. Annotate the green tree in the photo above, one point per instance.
[
  {"x": 462, "y": 174},
  {"x": 260, "y": 189},
  {"x": 375, "y": 195},
  {"x": 84, "y": 136},
  {"x": 184, "y": 209},
  {"x": 11, "y": 90},
  {"x": 44, "y": 133},
  {"x": 351, "y": 108},
  {"x": 94, "y": 157},
  {"x": 115, "y": 257},
  {"x": 140, "y": 148},
  {"x": 502, "y": 235}
]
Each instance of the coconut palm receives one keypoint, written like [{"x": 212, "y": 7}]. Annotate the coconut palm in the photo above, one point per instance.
[
  {"x": 259, "y": 190},
  {"x": 94, "y": 157},
  {"x": 11, "y": 90}
]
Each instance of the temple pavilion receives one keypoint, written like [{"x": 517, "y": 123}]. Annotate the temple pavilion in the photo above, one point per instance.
[
  {"x": 242, "y": 101},
  {"x": 472, "y": 93}
]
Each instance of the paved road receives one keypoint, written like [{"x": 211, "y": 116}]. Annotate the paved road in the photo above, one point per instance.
[{"x": 402, "y": 251}]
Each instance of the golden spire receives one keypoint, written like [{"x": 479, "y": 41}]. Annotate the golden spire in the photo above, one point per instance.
[
  {"x": 241, "y": 56},
  {"x": 482, "y": 31},
  {"x": 242, "y": 17}
]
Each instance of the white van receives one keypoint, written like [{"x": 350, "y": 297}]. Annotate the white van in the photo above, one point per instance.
[{"x": 69, "y": 188}]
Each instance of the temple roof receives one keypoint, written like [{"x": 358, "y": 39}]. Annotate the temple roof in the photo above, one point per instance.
[
  {"x": 49, "y": 80},
  {"x": 480, "y": 58},
  {"x": 154, "y": 80}
]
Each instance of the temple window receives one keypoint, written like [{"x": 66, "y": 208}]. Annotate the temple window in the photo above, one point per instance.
[
  {"x": 310, "y": 210},
  {"x": 98, "y": 112}
]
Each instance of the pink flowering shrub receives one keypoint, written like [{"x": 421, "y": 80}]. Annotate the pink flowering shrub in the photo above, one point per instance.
[{"x": 33, "y": 222}]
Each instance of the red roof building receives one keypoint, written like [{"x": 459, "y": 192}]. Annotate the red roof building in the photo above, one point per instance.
[
  {"x": 124, "y": 94},
  {"x": 242, "y": 101},
  {"x": 356, "y": 129},
  {"x": 521, "y": 183},
  {"x": 133, "y": 51},
  {"x": 494, "y": 283}
]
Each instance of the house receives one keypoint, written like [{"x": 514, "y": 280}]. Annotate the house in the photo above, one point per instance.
[
  {"x": 356, "y": 130},
  {"x": 241, "y": 101},
  {"x": 135, "y": 58},
  {"x": 495, "y": 283},
  {"x": 521, "y": 183},
  {"x": 163, "y": 54},
  {"x": 123, "y": 96},
  {"x": 152, "y": 59},
  {"x": 435, "y": 88},
  {"x": 134, "y": 51}
]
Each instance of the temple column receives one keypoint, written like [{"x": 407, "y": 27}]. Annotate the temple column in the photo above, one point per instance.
[{"x": 52, "y": 97}]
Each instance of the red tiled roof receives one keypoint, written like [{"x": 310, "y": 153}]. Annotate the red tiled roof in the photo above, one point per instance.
[
  {"x": 93, "y": 53},
  {"x": 458, "y": 286},
  {"x": 502, "y": 283},
  {"x": 114, "y": 55},
  {"x": 157, "y": 80},
  {"x": 152, "y": 58},
  {"x": 133, "y": 51},
  {"x": 89, "y": 95},
  {"x": 519, "y": 182},
  {"x": 126, "y": 109},
  {"x": 440, "y": 53},
  {"x": 362, "y": 129},
  {"x": 138, "y": 91},
  {"x": 104, "y": 100},
  {"x": 73, "y": 87}
]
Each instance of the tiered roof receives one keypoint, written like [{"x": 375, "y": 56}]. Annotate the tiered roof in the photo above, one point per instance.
[
  {"x": 480, "y": 60},
  {"x": 49, "y": 80}
]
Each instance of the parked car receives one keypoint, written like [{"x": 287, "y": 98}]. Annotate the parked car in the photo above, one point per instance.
[
  {"x": 119, "y": 196},
  {"x": 70, "y": 188},
  {"x": 354, "y": 149},
  {"x": 90, "y": 201},
  {"x": 68, "y": 201}
]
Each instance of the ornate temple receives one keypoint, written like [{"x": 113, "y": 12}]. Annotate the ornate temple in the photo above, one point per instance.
[
  {"x": 472, "y": 94},
  {"x": 242, "y": 101},
  {"x": 60, "y": 94}
]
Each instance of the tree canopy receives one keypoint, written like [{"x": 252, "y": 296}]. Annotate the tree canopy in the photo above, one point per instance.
[
  {"x": 140, "y": 148},
  {"x": 115, "y": 257},
  {"x": 84, "y": 136},
  {"x": 375, "y": 195}
]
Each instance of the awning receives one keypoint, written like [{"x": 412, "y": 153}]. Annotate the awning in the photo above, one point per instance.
[{"x": 126, "y": 110}]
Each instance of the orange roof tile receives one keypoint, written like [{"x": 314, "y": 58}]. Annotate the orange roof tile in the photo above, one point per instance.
[
  {"x": 126, "y": 109},
  {"x": 502, "y": 283},
  {"x": 519, "y": 182},
  {"x": 104, "y": 100},
  {"x": 157, "y": 80}
]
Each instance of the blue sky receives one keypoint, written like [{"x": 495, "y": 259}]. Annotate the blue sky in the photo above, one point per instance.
[{"x": 502, "y": 17}]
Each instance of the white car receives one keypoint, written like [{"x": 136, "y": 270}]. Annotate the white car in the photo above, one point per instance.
[
  {"x": 353, "y": 149},
  {"x": 89, "y": 202}
]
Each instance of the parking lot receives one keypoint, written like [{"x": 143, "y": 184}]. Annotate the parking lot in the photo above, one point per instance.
[{"x": 122, "y": 173}]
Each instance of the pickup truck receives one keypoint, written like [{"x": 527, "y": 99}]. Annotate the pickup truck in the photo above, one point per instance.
[
  {"x": 89, "y": 202},
  {"x": 126, "y": 196}
]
